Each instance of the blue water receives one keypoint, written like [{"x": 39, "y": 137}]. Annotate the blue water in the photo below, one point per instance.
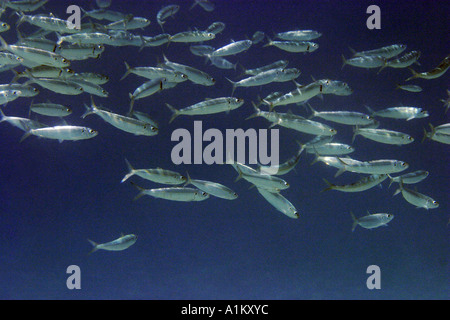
[{"x": 55, "y": 196}]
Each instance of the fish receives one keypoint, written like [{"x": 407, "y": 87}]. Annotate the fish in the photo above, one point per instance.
[
  {"x": 62, "y": 133},
  {"x": 9, "y": 95},
  {"x": 39, "y": 56},
  {"x": 263, "y": 181},
  {"x": 280, "y": 64},
  {"x": 372, "y": 167},
  {"x": 201, "y": 50},
  {"x": 387, "y": 52},
  {"x": 174, "y": 194},
  {"x": 233, "y": 48},
  {"x": 364, "y": 184},
  {"x": 279, "y": 202},
  {"x": 209, "y": 106},
  {"x": 216, "y": 27},
  {"x": 24, "y": 6},
  {"x": 437, "y": 72},
  {"x": 405, "y": 113},
  {"x": 402, "y": 62},
  {"x": 410, "y": 178},
  {"x": 212, "y": 188},
  {"x": 129, "y": 23},
  {"x": 331, "y": 149},
  {"x": 23, "y": 124},
  {"x": 157, "y": 175},
  {"x": 61, "y": 86},
  {"x": 294, "y": 46},
  {"x": 23, "y": 90},
  {"x": 415, "y": 198},
  {"x": 383, "y": 136},
  {"x": 194, "y": 75},
  {"x": 372, "y": 221},
  {"x": 301, "y": 94},
  {"x": 343, "y": 117},
  {"x": 145, "y": 90},
  {"x": 222, "y": 63},
  {"x": 367, "y": 62},
  {"x": 120, "y": 122},
  {"x": 192, "y": 36},
  {"x": 205, "y": 4},
  {"x": 51, "y": 109},
  {"x": 283, "y": 168},
  {"x": 435, "y": 135},
  {"x": 299, "y": 35},
  {"x": 258, "y": 37},
  {"x": 120, "y": 244},
  {"x": 409, "y": 88},
  {"x": 155, "y": 73},
  {"x": 166, "y": 12}
]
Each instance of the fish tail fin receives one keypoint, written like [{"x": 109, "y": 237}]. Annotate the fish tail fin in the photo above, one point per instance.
[
  {"x": 400, "y": 189},
  {"x": 21, "y": 19},
  {"x": 141, "y": 193},
  {"x": 60, "y": 39},
  {"x": 256, "y": 114},
  {"x": 371, "y": 111},
  {"x": 355, "y": 133},
  {"x": 3, "y": 117},
  {"x": 233, "y": 84},
  {"x": 26, "y": 135},
  {"x": 17, "y": 75},
  {"x": 243, "y": 69},
  {"x": 132, "y": 99},
  {"x": 352, "y": 50},
  {"x": 414, "y": 74},
  {"x": 391, "y": 182},
  {"x": 382, "y": 68},
  {"x": 302, "y": 147},
  {"x": 94, "y": 245},
  {"x": 188, "y": 179},
  {"x": 313, "y": 112},
  {"x": 127, "y": 72},
  {"x": 3, "y": 44},
  {"x": 268, "y": 43},
  {"x": 355, "y": 221},
  {"x": 175, "y": 112},
  {"x": 89, "y": 110},
  {"x": 428, "y": 134},
  {"x": 130, "y": 171},
  {"x": 344, "y": 61},
  {"x": 330, "y": 185}
]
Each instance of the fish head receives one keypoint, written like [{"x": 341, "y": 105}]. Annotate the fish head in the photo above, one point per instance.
[
  {"x": 150, "y": 130},
  {"x": 423, "y": 114},
  {"x": 432, "y": 204}
]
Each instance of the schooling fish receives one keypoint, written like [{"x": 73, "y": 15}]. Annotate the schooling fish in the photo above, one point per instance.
[
  {"x": 433, "y": 74},
  {"x": 372, "y": 220}
]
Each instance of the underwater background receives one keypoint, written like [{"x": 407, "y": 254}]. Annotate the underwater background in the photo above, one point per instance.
[{"x": 54, "y": 196}]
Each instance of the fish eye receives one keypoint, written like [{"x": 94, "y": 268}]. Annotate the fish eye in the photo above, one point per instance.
[
  {"x": 435, "y": 202},
  {"x": 286, "y": 184},
  {"x": 80, "y": 89},
  {"x": 211, "y": 35},
  {"x": 404, "y": 164},
  {"x": 410, "y": 138},
  {"x": 69, "y": 110},
  {"x": 183, "y": 178},
  {"x": 154, "y": 129},
  {"x": 204, "y": 193},
  {"x": 333, "y": 130},
  {"x": 91, "y": 131}
]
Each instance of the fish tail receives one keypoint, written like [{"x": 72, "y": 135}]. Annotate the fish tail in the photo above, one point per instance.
[
  {"x": 344, "y": 61},
  {"x": 352, "y": 50},
  {"x": 94, "y": 244},
  {"x": 26, "y": 135},
  {"x": 127, "y": 66},
  {"x": 414, "y": 76},
  {"x": 369, "y": 109},
  {"x": 355, "y": 221},
  {"x": 330, "y": 185},
  {"x": 60, "y": 38},
  {"x": 141, "y": 193},
  {"x": 21, "y": 19},
  {"x": 2, "y": 116},
  {"x": 17, "y": 75},
  {"x": 382, "y": 68},
  {"x": 132, "y": 99},
  {"x": 391, "y": 182},
  {"x": 313, "y": 112},
  {"x": 130, "y": 171},
  {"x": 355, "y": 133},
  {"x": 3, "y": 44},
  {"x": 175, "y": 112},
  {"x": 400, "y": 189},
  {"x": 233, "y": 84},
  {"x": 256, "y": 114},
  {"x": 188, "y": 179}
]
